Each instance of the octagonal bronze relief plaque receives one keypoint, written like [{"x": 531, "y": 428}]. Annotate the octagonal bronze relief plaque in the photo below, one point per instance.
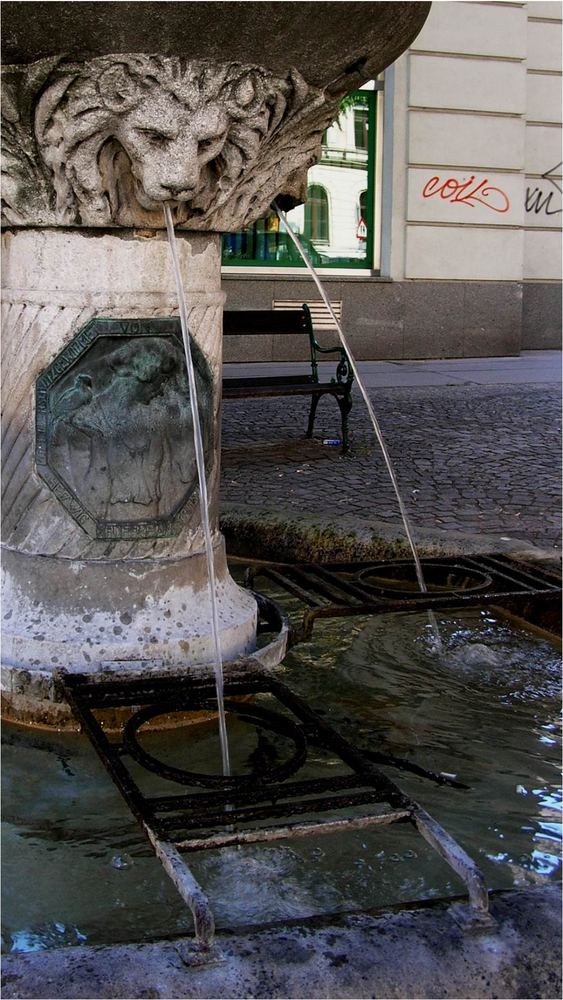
[{"x": 114, "y": 429}]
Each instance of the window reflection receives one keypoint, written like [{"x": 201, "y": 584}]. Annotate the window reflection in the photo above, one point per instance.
[{"x": 334, "y": 224}]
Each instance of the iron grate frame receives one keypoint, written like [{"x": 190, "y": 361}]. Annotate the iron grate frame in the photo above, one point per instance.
[
  {"x": 267, "y": 808},
  {"x": 338, "y": 589},
  {"x": 263, "y": 795}
]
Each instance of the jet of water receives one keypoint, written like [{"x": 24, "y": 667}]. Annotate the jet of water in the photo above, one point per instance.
[
  {"x": 203, "y": 500},
  {"x": 378, "y": 432}
]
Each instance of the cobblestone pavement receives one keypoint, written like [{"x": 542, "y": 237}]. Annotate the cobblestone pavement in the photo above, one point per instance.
[{"x": 469, "y": 458}]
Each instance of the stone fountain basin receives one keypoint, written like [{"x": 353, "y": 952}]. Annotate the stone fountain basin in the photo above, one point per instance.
[
  {"x": 34, "y": 696},
  {"x": 324, "y": 41},
  {"x": 415, "y": 949},
  {"x": 407, "y": 952}
]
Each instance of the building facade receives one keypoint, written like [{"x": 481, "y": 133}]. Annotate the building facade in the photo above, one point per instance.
[{"x": 434, "y": 217}]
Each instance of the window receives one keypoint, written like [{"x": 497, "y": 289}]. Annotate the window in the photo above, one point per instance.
[
  {"x": 361, "y": 128},
  {"x": 316, "y": 214},
  {"x": 336, "y": 223},
  {"x": 361, "y": 215}
]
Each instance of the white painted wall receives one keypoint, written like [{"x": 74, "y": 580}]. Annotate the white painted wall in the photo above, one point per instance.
[
  {"x": 477, "y": 124},
  {"x": 542, "y": 239}
]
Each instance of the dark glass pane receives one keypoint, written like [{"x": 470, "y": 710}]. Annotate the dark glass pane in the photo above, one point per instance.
[
  {"x": 361, "y": 126},
  {"x": 316, "y": 214}
]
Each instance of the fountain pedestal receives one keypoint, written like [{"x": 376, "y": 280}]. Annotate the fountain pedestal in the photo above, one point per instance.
[
  {"x": 214, "y": 110},
  {"x": 104, "y": 561}
]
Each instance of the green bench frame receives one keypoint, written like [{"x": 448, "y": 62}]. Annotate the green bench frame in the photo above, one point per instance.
[{"x": 283, "y": 322}]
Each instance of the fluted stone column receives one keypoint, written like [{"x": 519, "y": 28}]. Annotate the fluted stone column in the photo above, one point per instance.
[{"x": 73, "y": 599}]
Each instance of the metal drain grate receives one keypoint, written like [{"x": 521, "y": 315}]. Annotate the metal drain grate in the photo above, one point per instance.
[
  {"x": 277, "y": 800},
  {"x": 334, "y": 590}
]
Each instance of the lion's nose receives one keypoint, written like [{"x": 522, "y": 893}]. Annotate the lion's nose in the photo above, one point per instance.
[{"x": 178, "y": 190}]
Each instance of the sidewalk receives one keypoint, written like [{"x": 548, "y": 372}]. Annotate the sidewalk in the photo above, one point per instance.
[
  {"x": 475, "y": 444},
  {"x": 530, "y": 367}
]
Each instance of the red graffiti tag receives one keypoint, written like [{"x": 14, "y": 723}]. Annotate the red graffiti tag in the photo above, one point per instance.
[{"x": 467, "y": 192}]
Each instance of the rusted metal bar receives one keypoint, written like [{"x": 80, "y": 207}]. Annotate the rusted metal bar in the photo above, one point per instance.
[
  {"x": 386, "y": 606},
  {"x": 354, "y": 589},
  {"x": 188, "y": 888},
  {"x": 104, "y": 748},
  {"x": 513, "y": 574},
  {"x": 541, "y": 611},
  {"x": 252, "y": 798},
  {"x": 286, "y": 583},
  {"x": 408, "y": 765},
  {"x": 450, "y": 850},
  {"x": 329, "y": 738},
  {"x": 258, "y": 793},
  {"x": 258, "y": 813},
  {"x": 309, "y": 579},
  {"x": 116, "y": 693},
  {"x": 292, "y": 830},
  {"x": 331, "y": 586},
  {"x": 509, "y": 584}
]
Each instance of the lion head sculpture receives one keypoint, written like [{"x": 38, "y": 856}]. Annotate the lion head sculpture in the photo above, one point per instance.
[{"x": 121, "y": 135}]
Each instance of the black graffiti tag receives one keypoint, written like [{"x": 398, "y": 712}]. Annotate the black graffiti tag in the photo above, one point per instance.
[{"x": 538, "y": 200}]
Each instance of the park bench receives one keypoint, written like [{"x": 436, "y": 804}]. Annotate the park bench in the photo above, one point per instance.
[{"x": 268, "y": 322}]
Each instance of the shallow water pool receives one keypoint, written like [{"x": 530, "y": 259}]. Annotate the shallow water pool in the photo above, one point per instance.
[{"x": 77, "y": 869}]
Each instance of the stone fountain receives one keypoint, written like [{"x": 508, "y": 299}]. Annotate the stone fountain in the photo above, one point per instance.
[{"x": 110, "y": 111}]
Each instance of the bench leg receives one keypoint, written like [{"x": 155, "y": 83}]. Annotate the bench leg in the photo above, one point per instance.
[
  {"x": 345, "y": 404},
  {"x": 312, "y": 413}
]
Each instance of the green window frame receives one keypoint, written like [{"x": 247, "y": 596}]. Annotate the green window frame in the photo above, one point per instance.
[{"x": 262, "y": 245}]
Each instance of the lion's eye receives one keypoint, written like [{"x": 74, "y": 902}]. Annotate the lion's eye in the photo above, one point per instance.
[{"x": 157, "y": 138}]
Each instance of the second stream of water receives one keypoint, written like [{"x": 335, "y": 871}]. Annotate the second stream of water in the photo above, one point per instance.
[{"x": 371, "y": 412}]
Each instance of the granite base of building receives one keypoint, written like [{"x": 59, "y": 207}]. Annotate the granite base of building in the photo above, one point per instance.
[
  {"x": 541, "y": 316},
  {"x": 402, "y": 320}
]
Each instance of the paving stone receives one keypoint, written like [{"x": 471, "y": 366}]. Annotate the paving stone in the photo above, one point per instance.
[{"x": 471, "y": 457}]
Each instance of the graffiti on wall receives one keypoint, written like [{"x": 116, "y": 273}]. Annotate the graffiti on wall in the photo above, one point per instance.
[
  {"x": 470, "y": 192},
  {"x": 539, "y": 199}
]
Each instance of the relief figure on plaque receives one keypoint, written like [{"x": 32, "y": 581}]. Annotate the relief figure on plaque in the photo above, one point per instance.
[{"x": 121, "y": 430}]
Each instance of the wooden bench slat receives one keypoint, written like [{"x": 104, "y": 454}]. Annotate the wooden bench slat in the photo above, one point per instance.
[{"x": 242, "y": 392}]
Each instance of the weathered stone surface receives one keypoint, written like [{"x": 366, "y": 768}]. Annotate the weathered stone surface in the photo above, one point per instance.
[
  {"x": 105, "y": 141},
  {"x": 55, "y": 284},
  {"x": 108, "y": 141},
  {"x": 104, "y": 615},
  {"x": 411, "y": 952},
  {"x": 71, "y": 596},
  {"x": 322, "y": 40}
]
